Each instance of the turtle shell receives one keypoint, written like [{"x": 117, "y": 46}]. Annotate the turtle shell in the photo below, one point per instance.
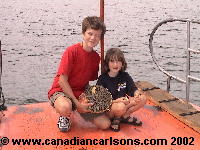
[{"x": 100, "y": 97}]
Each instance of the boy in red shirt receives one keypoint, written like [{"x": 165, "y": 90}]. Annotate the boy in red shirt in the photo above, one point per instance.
[{"x": 78, "y": 66}]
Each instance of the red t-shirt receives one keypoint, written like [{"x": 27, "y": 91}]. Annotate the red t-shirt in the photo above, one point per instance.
[{"x": 80, "y": 66}]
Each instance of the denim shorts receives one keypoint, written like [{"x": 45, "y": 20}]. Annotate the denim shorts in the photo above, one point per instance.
[{"x": 85, "y": 116}]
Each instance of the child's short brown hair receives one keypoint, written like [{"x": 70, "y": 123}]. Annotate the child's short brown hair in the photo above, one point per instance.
[
  {"x": 95, "y": 23},
  {"x": 115, "y": 54}
]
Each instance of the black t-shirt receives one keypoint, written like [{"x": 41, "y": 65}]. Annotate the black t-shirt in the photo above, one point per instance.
[{"x": 118, "y": 86}]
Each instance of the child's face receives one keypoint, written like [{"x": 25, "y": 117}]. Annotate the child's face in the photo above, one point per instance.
[
  {"x": 114, "y": 66},
  {"x": 92, "y": 37}
]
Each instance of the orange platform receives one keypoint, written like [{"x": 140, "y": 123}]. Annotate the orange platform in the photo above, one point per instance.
[{"x": 38, "y": 121}]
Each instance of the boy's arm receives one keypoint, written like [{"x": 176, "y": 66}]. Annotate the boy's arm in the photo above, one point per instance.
[{"x": 64, "y": 84}]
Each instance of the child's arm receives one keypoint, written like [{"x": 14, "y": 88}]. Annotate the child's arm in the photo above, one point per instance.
[
  {"x": 125, "y": 100},
  {"x": 64, "y": 84},
  {"x": 132, "y": 100},
  {"x": 118, "y": 100}
]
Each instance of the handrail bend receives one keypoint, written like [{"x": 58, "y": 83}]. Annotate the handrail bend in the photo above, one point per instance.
[{"x": 189, "y": 50}]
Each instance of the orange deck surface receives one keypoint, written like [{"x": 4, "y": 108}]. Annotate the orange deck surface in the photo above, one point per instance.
[{"x": 38, "y": 121}]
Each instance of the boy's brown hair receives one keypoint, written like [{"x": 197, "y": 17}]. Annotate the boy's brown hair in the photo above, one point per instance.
[
  {"x": 95, "y": 23},
  {"x": 114, "y": 54}
]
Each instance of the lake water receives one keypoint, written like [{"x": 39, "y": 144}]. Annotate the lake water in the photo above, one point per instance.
[{"x": 34, "y": 35}]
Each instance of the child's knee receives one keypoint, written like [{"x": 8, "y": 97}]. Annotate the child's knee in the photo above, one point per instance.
[
  {"x": 118, "y": 109},
  {"x": 66, "y": 109},
  {"x": 63, "y": 106}
]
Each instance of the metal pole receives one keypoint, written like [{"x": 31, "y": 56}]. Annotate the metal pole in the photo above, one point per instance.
[
  {"x": 0, "y": 63},
  {"x": 102, "y": 39},
  {"x": 2, "y": 99},
  {"x": 168, "y": 83},
  {"x": 188, "y": 62},
  {"x": 0, "y": 70}
]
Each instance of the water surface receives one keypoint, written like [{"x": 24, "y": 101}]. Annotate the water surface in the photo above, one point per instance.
[{"x": 34, "y": 35}]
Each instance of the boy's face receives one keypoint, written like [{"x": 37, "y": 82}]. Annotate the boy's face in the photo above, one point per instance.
[{"x": 92, "y": 37}]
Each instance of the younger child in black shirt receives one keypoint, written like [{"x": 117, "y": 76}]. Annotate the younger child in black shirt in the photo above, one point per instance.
[{"x": 126, "y": 96}]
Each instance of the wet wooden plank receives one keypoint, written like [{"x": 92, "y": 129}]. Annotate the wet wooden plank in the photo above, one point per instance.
[{"x": 180, "y": 109}]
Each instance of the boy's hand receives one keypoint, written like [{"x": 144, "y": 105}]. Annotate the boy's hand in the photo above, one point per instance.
[
  {"x": 83, "y": 104},
  {"x": 83, "y": 107}
]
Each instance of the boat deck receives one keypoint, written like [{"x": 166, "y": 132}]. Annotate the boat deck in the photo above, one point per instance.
[
  {"x": 160, "y": 131},
  {"x": 38, "y": 121}
]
